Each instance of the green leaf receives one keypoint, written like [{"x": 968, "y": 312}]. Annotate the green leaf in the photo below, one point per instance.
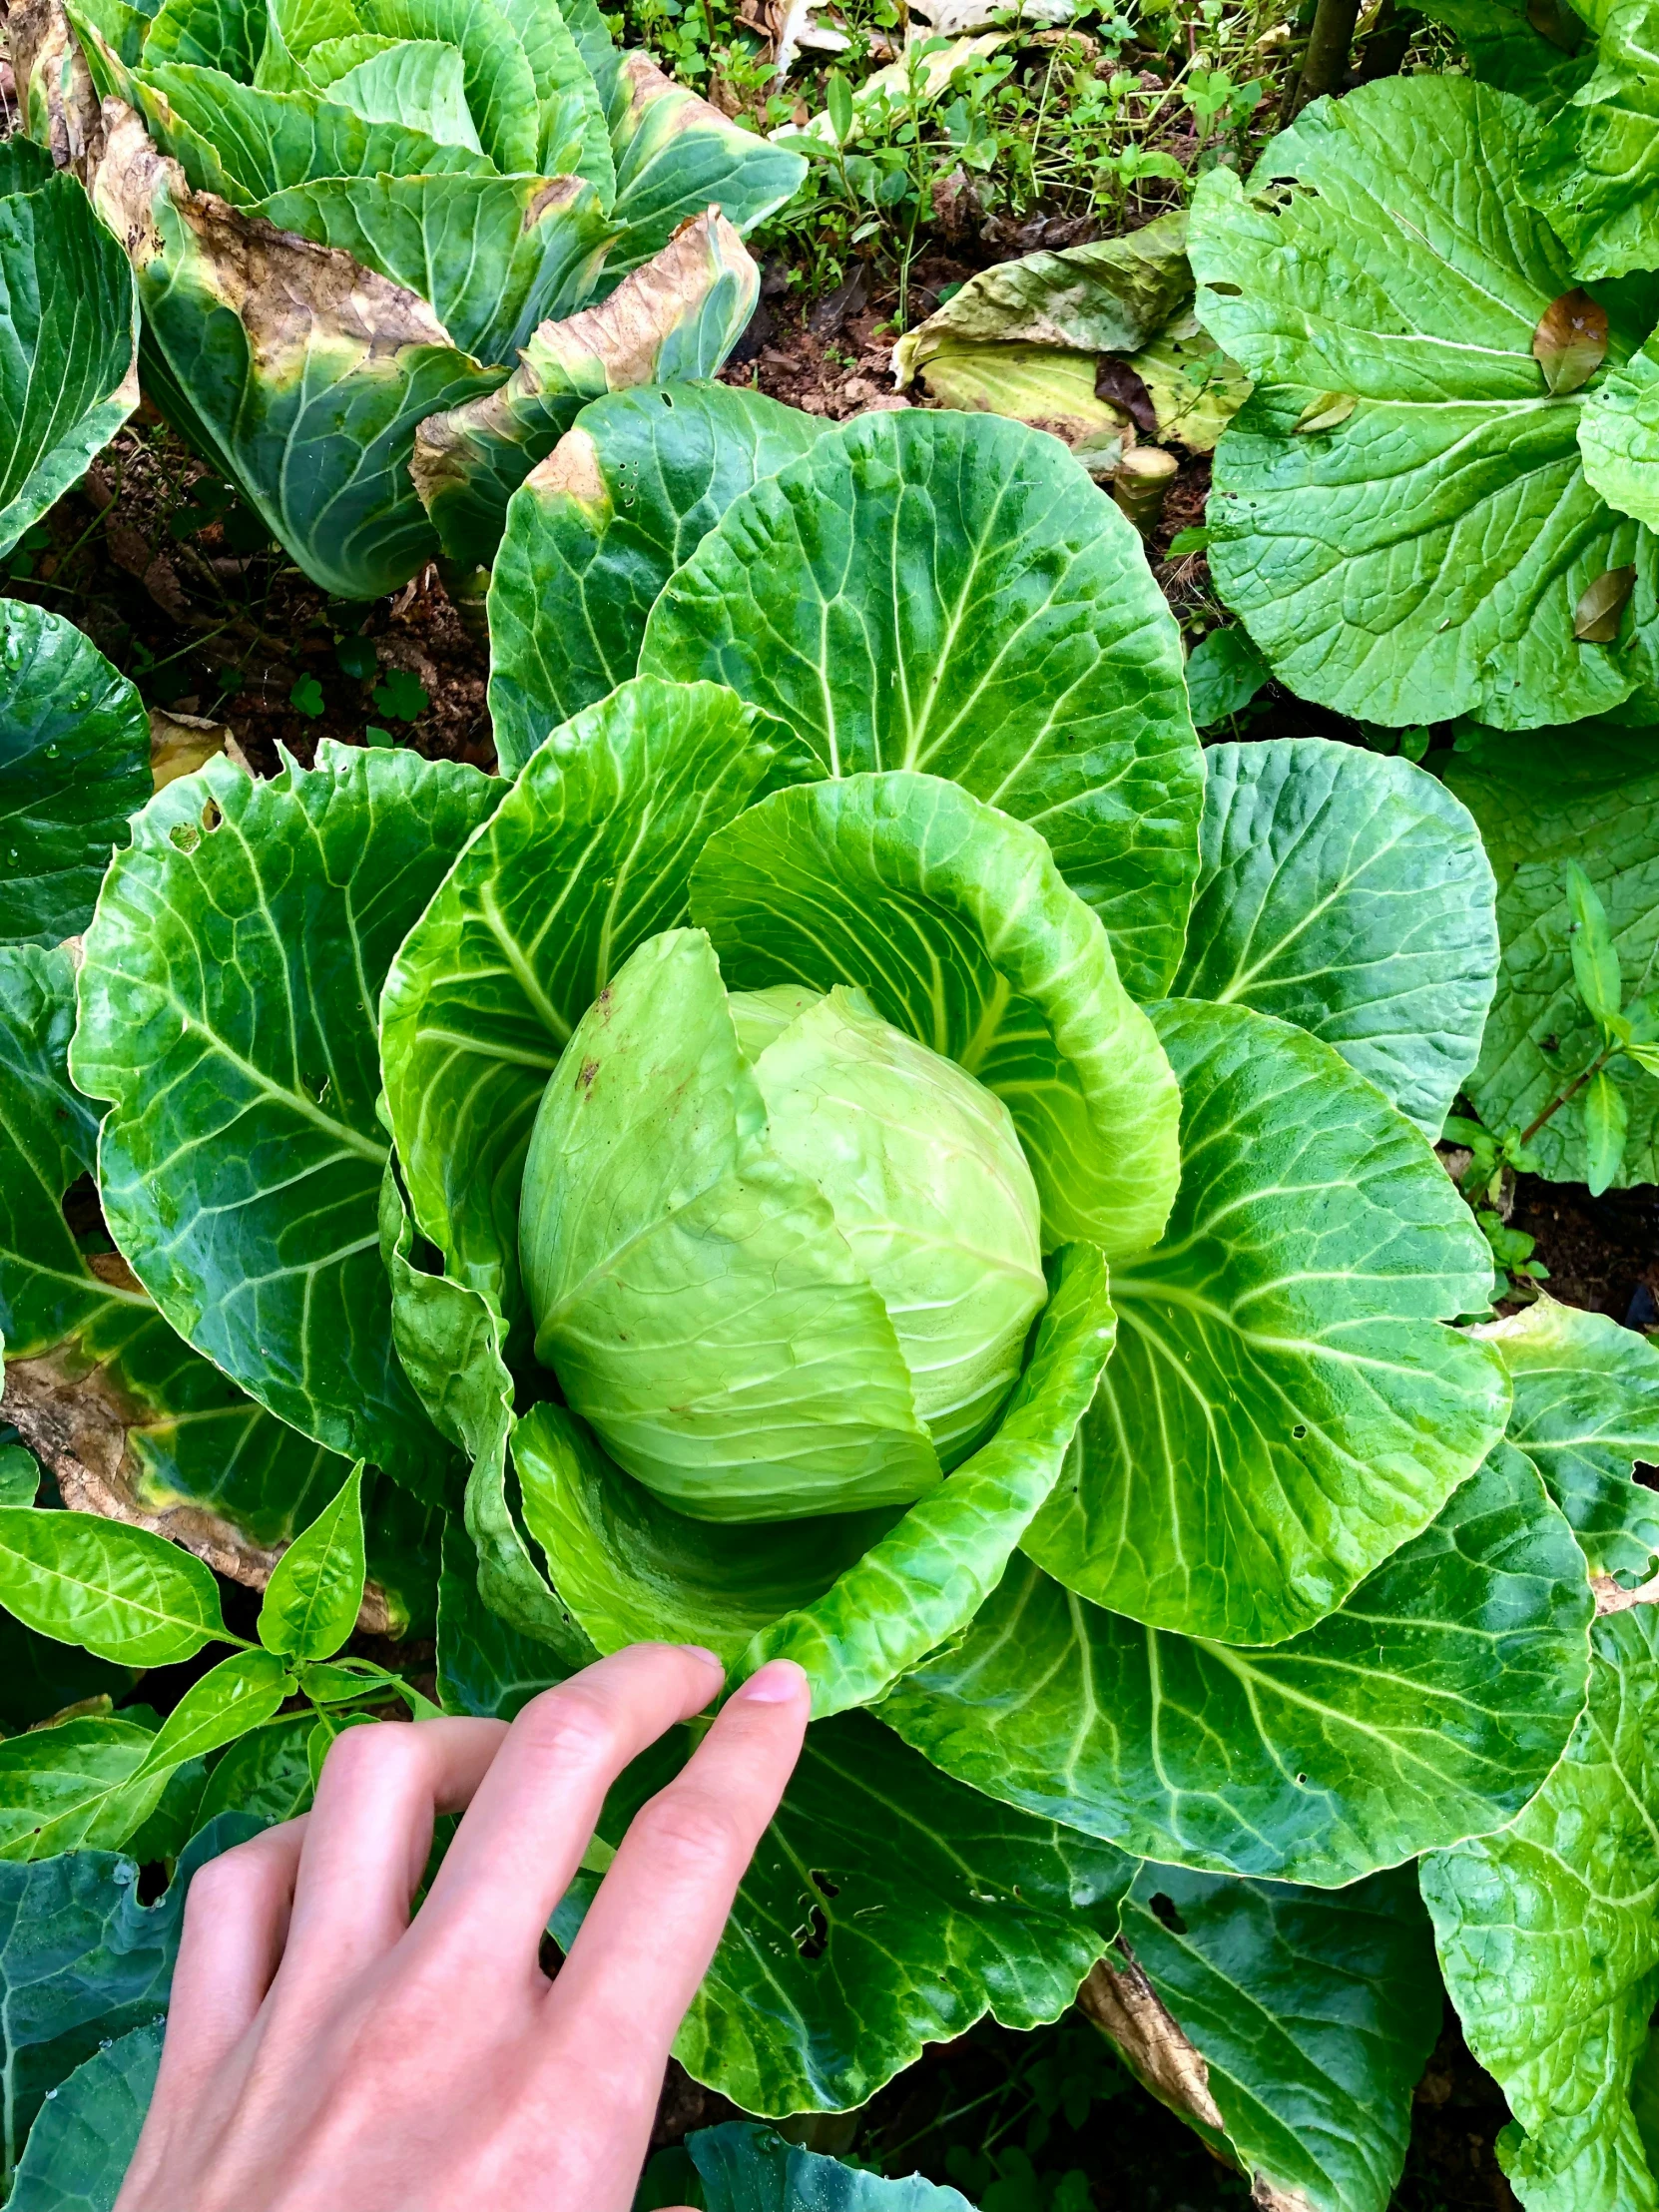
[
  {"x": 68, "y": 334},
  {"x": 1586, "y": 1410},
  {"x": 1426, "y": 559},
  {"x": 119, "y": 1592},
  {"x": 956, "y": 922},
  {"x": 1225, "y": 670},
  {"x": 316, "y": 1587},
  {"x": 485, "y": 1667},
  {"x": 573, "y": 138},
  {"x": 311, "y": 409},
  {"x": 1548, "y": 802},
  {"x": 495, "y": 255},
  {"x": 19, "y": 1475},
  {"x": 227, "y": 1007},
  {"x": 679, "y": 316},
  {"x": 74, "y": 1786},
  {"x": 1313, "y": 2016},
  {"x": 944, "y": 593},
  {"x": 228, "y": 35},
  {"x": 401, "y": 696},
  {"x": 1285, "y": 1406},
  {"x": 1429, "y": 1707},
  {"x": 596, "y": 530},
  {"x": 500, "y": 84},
  {"x": 419, "y": 82},
  {"x": 676, "y": 157},
  {"x": 82, "y": 1961},
  {"x": 1347, "y": 893},
  {"x": 1505, "y": 48},
  {"x": 481, "y": 998},
  {"x": 1606, "y": 1126},
  {"x": 746, "y": 2168},
  {"x": 238, "y": 1695},
  {"x": 74, "y": 765},
  {"x": 885, "y": 1908},
  {"x": 307, "y": 698},
  {"x": 265, "y": 1773},
  {"x": 1618, "y": 435},
  {"x": 1592, "y": 170},
  {"x": 1549, "y": 1943},
  {"x": 856, "y": 1598},
  {"x": 81, "y": 2147},
  {"x": 1595, "y": 959},
  {"x": 40, "y": 1677}
]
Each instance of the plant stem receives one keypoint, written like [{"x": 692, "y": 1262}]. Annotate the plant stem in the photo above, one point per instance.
[
  {"x": 1325, "y": 64},
  {"x": 1572, "y": 1090}
]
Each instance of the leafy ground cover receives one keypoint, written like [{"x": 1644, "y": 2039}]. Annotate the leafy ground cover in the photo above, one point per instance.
[{"x": 1233, "y": 1589}]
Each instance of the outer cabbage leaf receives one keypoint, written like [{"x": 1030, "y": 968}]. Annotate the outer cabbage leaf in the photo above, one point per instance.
[
  {"x": 486, "y": 1668},
  {"x": 678, "y": 316},
  {"x": 68, "y": 336},
  {"x": 1549, "y": 1943},
  {"x": 852, "y": 1598},
  {"x": 300, "y": 373},
  {"x": 1594, "y": 171},
  {"x": 481, "y": 998},
  {"x": 1503, "y": 48},
  {"x": 885, "y": 1908},
  {"x": 1429, "y": 1707},
  {"x": 1310, "y": 2017},
  {"x": 1348, "y": 894},
  {"x": 1285, "y": 1406},
  {"x": 227, "y": 1007},
  {"x": 81, "y": 1961},
  {"x": 1426, "y": 554},
  {"x": 1050, "y": 387},
  {"x": 74, "y": 765},
  {"x": 676, "y": 157},
  {"x": 597, "y": 528},
  {"x": 80, "y": 2148},
  {"x": 495, "y": 255},
  {"x": 1586, "y": 1410},
  {"x": 940, "y": 592},
  {"x": 1589, "y": 796},
  {"x": 744, "y": 2168},
  {"x": 956, "y": 922},
  {"x": 1618, "y": 432}
]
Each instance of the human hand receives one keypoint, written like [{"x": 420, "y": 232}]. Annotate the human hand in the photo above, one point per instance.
[{"x": 326, "y": 2054}]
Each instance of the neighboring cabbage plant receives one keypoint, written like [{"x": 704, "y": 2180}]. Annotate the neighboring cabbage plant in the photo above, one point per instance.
[
  {"x": 864, "y": 1143},
  {"x": 348, "y": 219}
]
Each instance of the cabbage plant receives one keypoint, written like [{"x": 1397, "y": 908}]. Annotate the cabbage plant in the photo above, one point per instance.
[
  {"x": 346, "y": 220},
  {"x": 863, "y": 1142}
]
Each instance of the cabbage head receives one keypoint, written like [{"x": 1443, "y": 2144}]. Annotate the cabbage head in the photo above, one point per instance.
[{"x": 346, "y": 219}]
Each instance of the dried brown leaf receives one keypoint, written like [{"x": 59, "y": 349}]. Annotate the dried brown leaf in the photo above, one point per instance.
[
  {"x": 1570, "y": 342},
  {"x": 1595, "y": 619}
]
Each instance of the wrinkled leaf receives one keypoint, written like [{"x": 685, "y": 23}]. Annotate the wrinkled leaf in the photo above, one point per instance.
[
  {"x": 1619, "y": 437},
  {"x": 485, "y": 1667},
  {"x": 1050, "y": 387},
  {"x": 81, "y": 2147},
  {"x": 1536, "y": 48},
  {"x": 1225, "y": 670},
  {"x": 1593, "y": 169},
  {"x": 1350, "y": 894},
  {"x": 265, "y": 1773}
]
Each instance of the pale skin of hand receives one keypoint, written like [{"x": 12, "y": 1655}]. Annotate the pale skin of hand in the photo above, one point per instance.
[{"x": 326, "y": 2053}]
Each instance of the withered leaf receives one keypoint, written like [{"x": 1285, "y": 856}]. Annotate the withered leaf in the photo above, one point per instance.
[
  {"x": 1124, "y": 386},
  {"x": 1555, "y": 21},
  {"x": 1595, "y": 619},
  {"x": 1570, "y": 342},
  {"x": 1324, "y": 411}
]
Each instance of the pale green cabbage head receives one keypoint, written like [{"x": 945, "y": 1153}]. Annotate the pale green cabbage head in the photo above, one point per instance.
[{"x": 782, "y": 1256}]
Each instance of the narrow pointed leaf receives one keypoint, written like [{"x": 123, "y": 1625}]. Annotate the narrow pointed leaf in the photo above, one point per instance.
[
  {"x": 231, "y": 1700},
  {"x": 315, "y": 1588}
]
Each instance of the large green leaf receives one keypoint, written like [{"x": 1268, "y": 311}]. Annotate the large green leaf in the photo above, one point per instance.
[
  {"x": 83, "y": 2142},
  {"x": 1347, "y": 893},
  {"x": 1593, "y": 169},
  {"x": 745, "y": 2168},
  {"x": 1285, "y": 1406},
  {"x": 485, "y": 1667},
  {"x": 1618, "y": 435},
  {"x": 956, "y": 922},
  {"x": 68, "y": 336},
  {"x": 1426, "y": 554},
  {"x": 82, "y": 1961},
  {"x": 676, "y": 157},
  {"x": 1504, "y": 49},
  {"x": 573, "y": 139},
  {"x": 1549, "y": 1943},
  {"x": 1312, "y": 2018},
  {"x": 854, "y": 1598},
  {"x": 589, "y": 853},
  {"x": 226, "y": 1009},
  {"x": 1544, "y": 800},
  {"x": 74, "y": 763},
  {"x": 949, "y": 593},
  {"x": 885, "y": 1908},
  {"x": 596, "y": 530},
  {"x": 300, "y": 373},
  {"x": 74, "y": 1784},
  {"x": 1586, "y": 1410},
  {"x": 420, "y": 82},
  {"x": 495, "y": 255},
  {"x": 678, "y": 316},
  {"x": 228, "y": 35},
  {"x": 1426, "y": 1708},
  {"x": 501, "y": 88}
]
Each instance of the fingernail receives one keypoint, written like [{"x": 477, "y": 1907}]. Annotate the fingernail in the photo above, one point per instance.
[
  {"x": 702, "y": 1651},
  {"x": 776, "y": 1683}
]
